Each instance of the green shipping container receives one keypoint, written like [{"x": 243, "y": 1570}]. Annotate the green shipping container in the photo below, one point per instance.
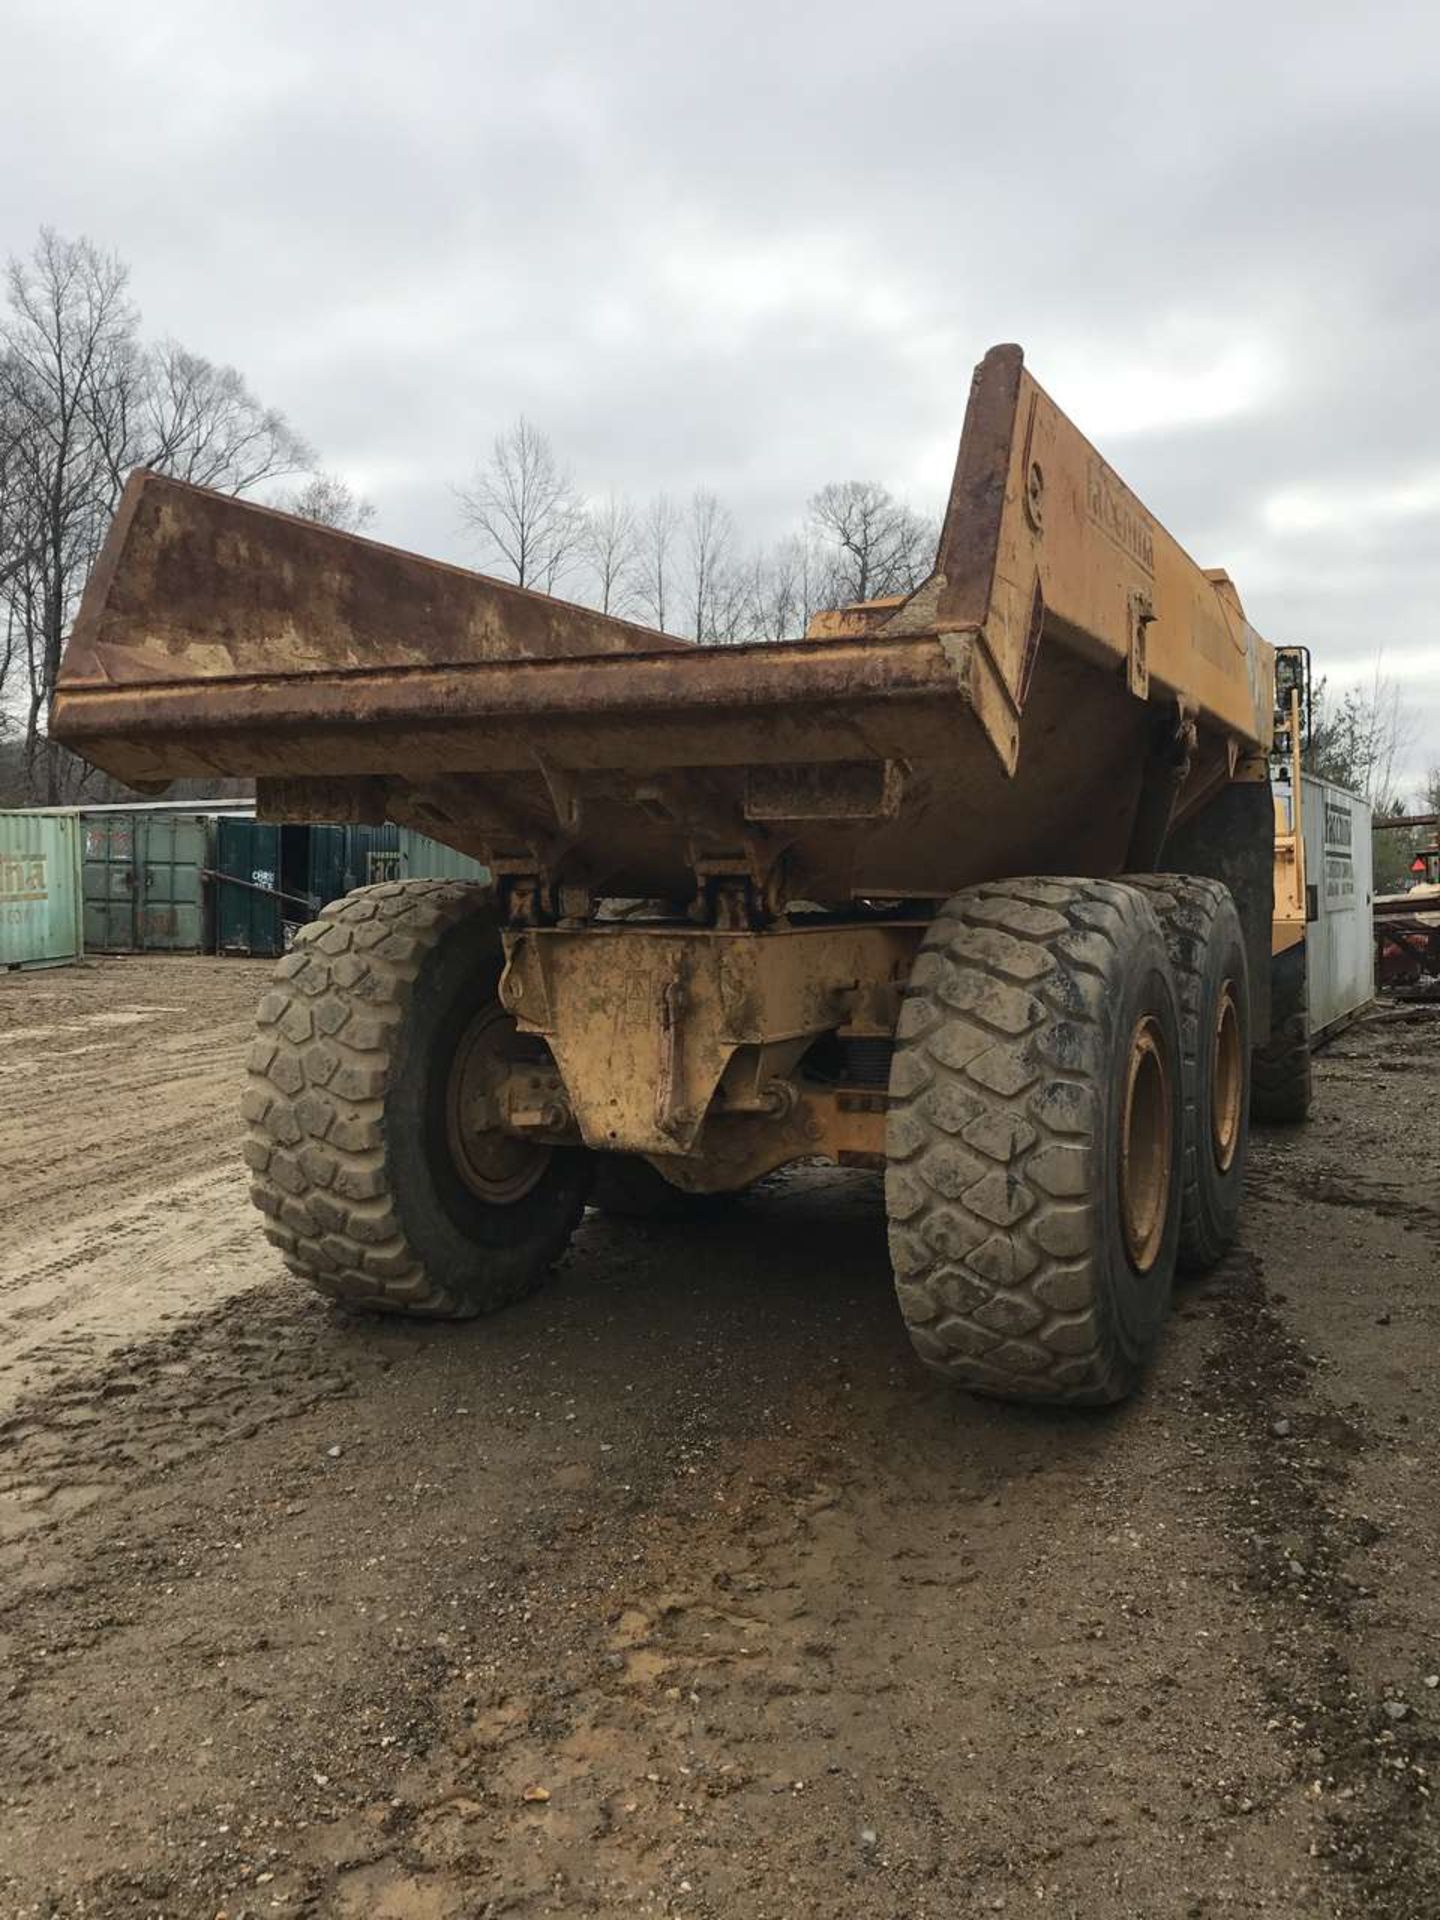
[
  {"x": 421, "y": 858},
  {"x": 271, "y": 878},
  {"x": 40, "y": 899},
  {"x": 145, "y": 881},
  {"x": 343, "y": 858},
  {"x": 249, "y": 913}
]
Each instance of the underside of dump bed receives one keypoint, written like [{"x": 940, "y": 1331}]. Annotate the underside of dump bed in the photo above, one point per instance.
[{"x": 1013, "y": 714}]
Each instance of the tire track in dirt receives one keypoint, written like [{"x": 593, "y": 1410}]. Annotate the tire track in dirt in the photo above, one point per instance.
[
  {"x": 119, "y": 1273},
  {"x": 110, "y": 1425},
  {"x": 121, "y": 1191},
  {"x": 781, "y": 1627}
]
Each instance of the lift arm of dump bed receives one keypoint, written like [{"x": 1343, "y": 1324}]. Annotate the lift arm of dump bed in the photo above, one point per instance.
[{"x": 998, "y": 719}]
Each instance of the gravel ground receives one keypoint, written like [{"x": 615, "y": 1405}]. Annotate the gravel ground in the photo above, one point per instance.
[{"x": 680, "y": 1589}]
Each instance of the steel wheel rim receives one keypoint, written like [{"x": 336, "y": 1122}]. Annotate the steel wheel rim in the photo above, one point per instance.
[
  {"x": 1228, "y": 1088},
  {"x": 494, "y": 1165},
  {"x": 1147, "y": 1145}
]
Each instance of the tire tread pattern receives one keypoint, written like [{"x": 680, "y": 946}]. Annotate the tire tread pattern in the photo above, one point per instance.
[
  {"x": 1001, "y": 1052},
  {"x": 315, "y": 1103},
  {"x": 1282, "y": 1084}
]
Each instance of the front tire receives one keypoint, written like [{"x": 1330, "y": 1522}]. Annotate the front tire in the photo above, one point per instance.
[
  {"x": 1034, "y": 1140},
  {"x": 375, "y": 1036}
]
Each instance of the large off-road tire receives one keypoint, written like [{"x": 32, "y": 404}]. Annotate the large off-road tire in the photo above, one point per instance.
[
  {"x": 1281, "y": 1086},
  {"x": 1034, "y": 1140},
  {"x": 368, "y": 1184},
  {"x": 1207, "y": 955},
  {"x": 628, "y": 1186}
]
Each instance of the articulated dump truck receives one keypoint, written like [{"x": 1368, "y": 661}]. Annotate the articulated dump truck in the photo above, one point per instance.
[{"x": 973, "y": 885}]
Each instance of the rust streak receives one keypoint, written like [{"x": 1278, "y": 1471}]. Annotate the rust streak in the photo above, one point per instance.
[{"x": 786, "y": 674}]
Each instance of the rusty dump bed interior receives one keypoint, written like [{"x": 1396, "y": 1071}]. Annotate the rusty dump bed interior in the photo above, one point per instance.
[{"x": 1001, "y": 719}]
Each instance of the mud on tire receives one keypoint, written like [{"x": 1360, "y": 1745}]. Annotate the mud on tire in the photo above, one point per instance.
[
  {"x": 346, "y": 1111},
  {"x": 1015, "y": 1048},
  {"x": 1207, "y": 955},
  {"x": 1281, "y": 1085}
]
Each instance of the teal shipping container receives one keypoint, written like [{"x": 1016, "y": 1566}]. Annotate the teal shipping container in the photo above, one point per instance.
[
  {"x": 421, "y": 858},
  {"x": 144, "y": 879},
  {"x": 165, "y": 879},
  {"x": 270, "y": 879},
  {"x": 343, "y": 858},
  {"x": 249, "y": 911},
  {"x": 40, "y": 897}
]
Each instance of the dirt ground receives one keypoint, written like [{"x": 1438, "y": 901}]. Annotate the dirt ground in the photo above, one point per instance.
[{"x": 681, "y": 1589}]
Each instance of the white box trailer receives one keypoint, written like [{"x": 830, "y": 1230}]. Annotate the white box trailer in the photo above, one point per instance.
[{"x": 1339, "y": 885}]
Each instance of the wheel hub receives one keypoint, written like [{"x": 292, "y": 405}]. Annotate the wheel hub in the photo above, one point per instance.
[
  {"x": 1146, "y": 1145},
  {"x": 496, "y": 1165}
]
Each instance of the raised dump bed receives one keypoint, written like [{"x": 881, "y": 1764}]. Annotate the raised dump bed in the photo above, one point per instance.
[{"x": 853, "y": 894}]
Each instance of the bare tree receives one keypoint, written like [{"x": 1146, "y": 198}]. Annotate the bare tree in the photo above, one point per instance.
[
  {"x": 201, "y": 423},
  {"x": 709, "y": 535},
  {"x": 81, "y": 402},
  {"x": 789, "y": 586},
  {"x": 522, "y": 508},
  {"x": 563, "y": 551},
  {"x": 878, "y": 544},
  {"x": 815, "y": 579},
  {"x": 14, "y": 536},
  {"x": 10, "y": 654},
  {"x": 332, "y": 501},
  {"x": 774, "y": 600},
  {"x": 731, "y": 615},
  {"x": 612, "y": 539},
  {"x": 68, "y": 348},
  {"x": 654, "y": 572},
  {"x": 1359, "y": 740},
  {"x": 12, "y": 542}
]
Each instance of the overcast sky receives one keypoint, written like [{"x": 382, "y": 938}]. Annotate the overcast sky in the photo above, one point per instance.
[{"x": 758, "y": 247}]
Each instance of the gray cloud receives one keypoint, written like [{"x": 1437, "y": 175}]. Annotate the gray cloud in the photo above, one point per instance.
[{"x": 757, "y": 248}]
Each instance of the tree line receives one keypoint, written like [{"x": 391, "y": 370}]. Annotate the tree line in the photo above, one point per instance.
[
  {"x": 1360, "y": 738},
  {"x": 680, "y": 565},
  {"x": 84, "y": 398}
]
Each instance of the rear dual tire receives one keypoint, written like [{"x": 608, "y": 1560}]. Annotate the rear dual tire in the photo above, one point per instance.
[
  {"x": 1207, "y": 956},
  {"x": 1035, "y": 1140}
]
